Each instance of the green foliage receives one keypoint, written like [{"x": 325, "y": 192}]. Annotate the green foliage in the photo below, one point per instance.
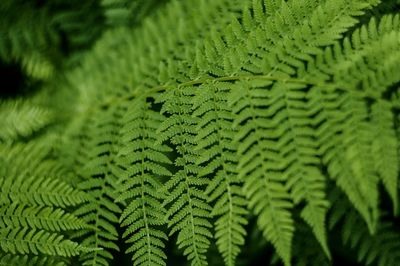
[
  {"x": 218, "y": 157},
  {"x": 140, "y": 165},
  {"x": 33, "y": 207},
  {"x": 13, "y": 260},
  {"x": 197, "y": 122},
  {"x": 26, "y": 40},
  {"x": 380, "y": 249},
  {"x": 99, "y": 183},
  {"x": 40, "y": 36},
  {"x": 21, "y": 119},
  {"x": 32, "y": 34}
]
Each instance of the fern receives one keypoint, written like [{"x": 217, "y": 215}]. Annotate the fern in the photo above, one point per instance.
[
  {"x": 21, "y": 119},
  {"x": 13, "y": 260},
  {"x": 25, "y": 40},
  {"x": 31, "y": 241},
  {"x": 99, "y": 183},
  {"x": 218, "y": 157},
  {"x": 357, "y": 121},
  {"x": 139, "y": 165},
  {"x": 218, "y": 46},
  {"x": 39, "y": 191},
  {"x": 187, "y": 213},
  {"x": 378, "y": 249},
  {"x": 17, "y": 215},
  {"x": 266, "y": 192},
  {"x": 385, "y": 149},
  {"x": 32, "y": 215}
]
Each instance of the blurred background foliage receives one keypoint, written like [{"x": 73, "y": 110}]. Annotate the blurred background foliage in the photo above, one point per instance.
[{"x": 39, "y": 39}]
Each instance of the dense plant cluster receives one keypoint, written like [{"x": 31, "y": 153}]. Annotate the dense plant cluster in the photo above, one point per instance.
[{"x": 200, "y": 132}]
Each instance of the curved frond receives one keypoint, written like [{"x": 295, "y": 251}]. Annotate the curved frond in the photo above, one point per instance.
[
  {"x": 385, "y": 149},
  {"x": 346, "y": 135},
  {"x": 380, "y": 248},
  {"x": 25, "y": 241},
  {"x": 17, "y": 260},
  {"x": 51, "y": 219},
  {"x": 188, "y": 213},
  {"x": 39, "y": 192},
  {"x": 218, "y": 158},
  {"x": 99, "y": 182},
  {"x": 140, "y": 166},
  {"x": 20, "y": 119}
]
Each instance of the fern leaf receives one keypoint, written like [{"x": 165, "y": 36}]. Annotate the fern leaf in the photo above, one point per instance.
[
  {"x": 288, "y": 31},
  {"x": 21, "y": 119},
  {"x": 99, "y": 182},
  {"x": 187, "y": 210},
  {"x": 229, "y": 49},
  {"x": 263, "y": 185},
  {"x": 351, "y": 127},
  {"x": 25, "y": 241},
  {"x": 34, "y": 158},
  {"x": 374, "y": 43},
  {"x": 16, "y": 260},
  {"x": 218, "y": 158},
  {"x": 39, "y": 192},
  {"x": 32, "y": 206},
  {"x": 349, "y": 154},
  {"x": 140, "y": 165},
  {"x": 381, "y": 248},
  {"x": 46, "y": 218},
  {"x": 100, "y": 216},
  {"x": 168, "y": 37},
  {"x": 294, "y": 152},
  {"x": 385, "y": 148},
  {"x": 254, "y": 108},
  {"x": 224, "y": 55}
]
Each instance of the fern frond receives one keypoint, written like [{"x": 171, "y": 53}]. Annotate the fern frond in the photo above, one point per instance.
[
  {"x": 39, "y": 192},
  {"x": 33, "y": 217},
  {"x": 346, "y": 134},
  {"x": 380, "y": 248},
  {"x": 350, "y": 156},
  {"x": 36, "y": 159},
  {"x": 29, "y": 41},
  {"x": 187, "y": 210},
  {"x": 170, "y": 39},
  {"x": 140, "y": 166},
  {"x": 25, "y": 241},
  {"x": 17, "y": 260},
  {"x": 218, "y": 158},
  {"x": 36, "y": 217},
  {"x": 263, "y": 185},
  {"x": 366, "y": 60},
  {"x": 99, "y": 182},
  {"x": 385, "y": 148},
  {"x": 288, "y": 31},
  {"x": 277, "y": 119},
  {"x": 21, "y": 118},
  {"x": 227, "y": 56}
]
